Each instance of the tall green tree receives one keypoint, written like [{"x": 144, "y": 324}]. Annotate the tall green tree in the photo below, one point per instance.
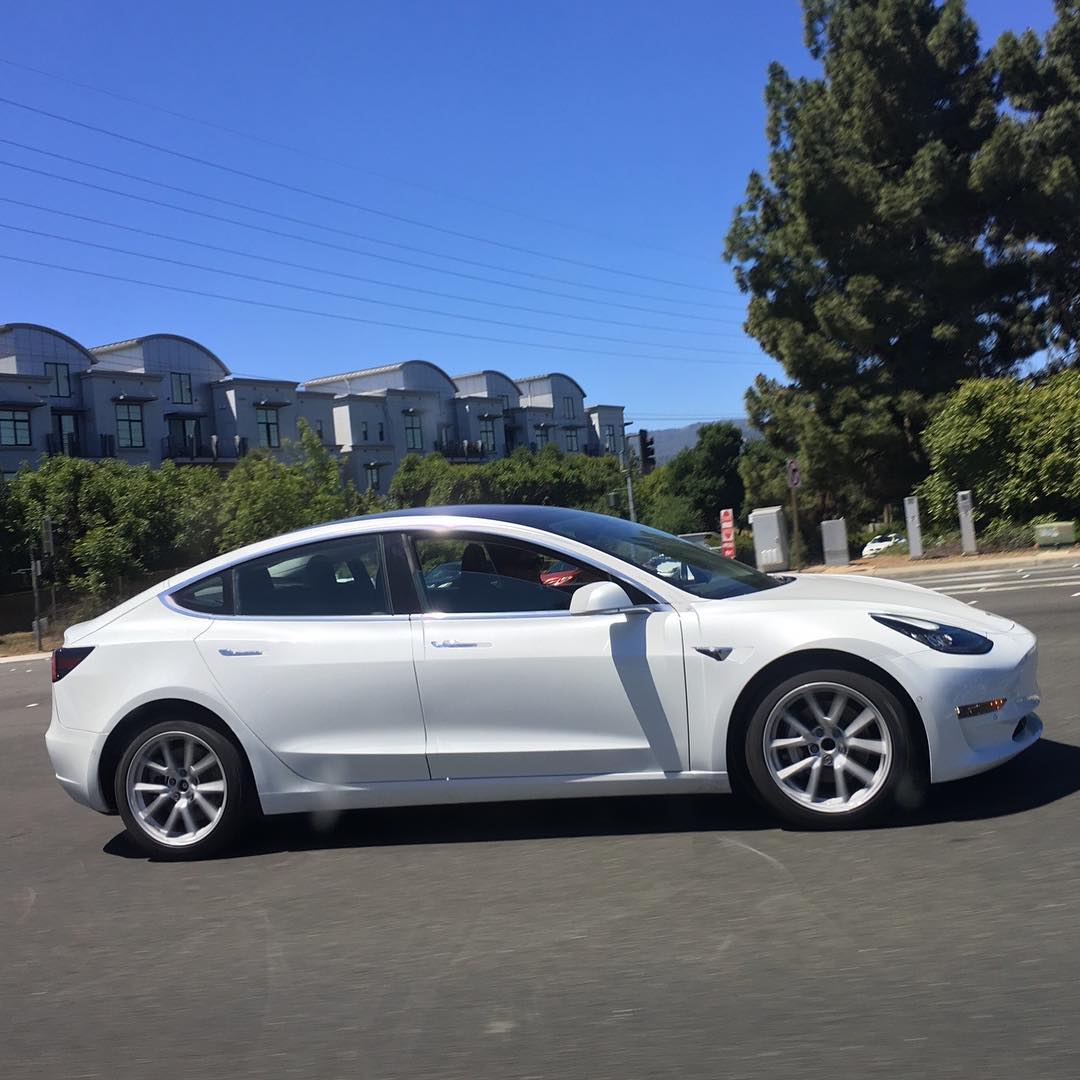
[
  {"x": 863, "y": 250},
  {"x": 1030, "y": 168}
]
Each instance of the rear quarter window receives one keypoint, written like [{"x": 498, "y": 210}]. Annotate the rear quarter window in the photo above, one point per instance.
[{"x": 209, "y": 595}]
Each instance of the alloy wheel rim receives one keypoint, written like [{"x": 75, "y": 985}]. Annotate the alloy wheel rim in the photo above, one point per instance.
[
  {"x": 176, "y": 788},
  {"x": 827, "y": 747}
]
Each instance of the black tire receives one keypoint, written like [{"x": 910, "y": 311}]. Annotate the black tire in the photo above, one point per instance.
[
  {"x": 237, "y": 797},
  {"x": 898, "y": 772}
]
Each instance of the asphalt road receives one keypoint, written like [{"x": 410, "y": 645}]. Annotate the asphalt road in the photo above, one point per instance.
[{"x": 611, "y": 938}]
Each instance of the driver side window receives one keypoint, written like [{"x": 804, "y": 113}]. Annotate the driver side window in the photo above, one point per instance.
[{"x": 473, "y": 573}]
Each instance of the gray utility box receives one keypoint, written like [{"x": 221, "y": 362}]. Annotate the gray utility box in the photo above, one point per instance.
[
  {"x": 834, "y": 542},
  {"x": 1055, "y": 534},
  {"x": 770, "y": 538}
]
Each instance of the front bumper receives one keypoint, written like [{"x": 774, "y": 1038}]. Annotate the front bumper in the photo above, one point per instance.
[
  {"x": 75, "y": 755},
  {"x": 962, "y": 747}
]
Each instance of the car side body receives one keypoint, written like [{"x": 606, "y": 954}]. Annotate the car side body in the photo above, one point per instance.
[{"x": 415, "y": 706}]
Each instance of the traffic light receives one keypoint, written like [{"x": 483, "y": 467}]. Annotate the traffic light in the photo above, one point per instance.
[{"x": 648, "y": 454}]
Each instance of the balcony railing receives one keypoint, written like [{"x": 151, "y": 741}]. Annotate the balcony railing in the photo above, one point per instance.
[
  {"x": 71, "y": 445},
  {"x": 186, "y": 448},
  {"x": 463, "y": 449},
  {"x": 212, "y": 449},
  {"x": 67, "y": 444}
]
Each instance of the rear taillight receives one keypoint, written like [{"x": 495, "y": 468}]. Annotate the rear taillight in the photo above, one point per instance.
[{"x": 67, "y": 660}]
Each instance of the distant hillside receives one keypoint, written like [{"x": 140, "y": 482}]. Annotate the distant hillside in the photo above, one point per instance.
[{"x": 667, "y": 442}]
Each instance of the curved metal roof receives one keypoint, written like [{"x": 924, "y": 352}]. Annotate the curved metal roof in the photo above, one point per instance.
[
  {"x": 552, "y": 375},
  {"x": 56, "y": 333},
  {"x": 163, "y": 337},
  {"x": 382, "y": 369}
]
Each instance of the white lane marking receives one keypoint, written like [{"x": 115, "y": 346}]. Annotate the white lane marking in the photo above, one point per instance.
[
  {"x": 33, "y": 704},
  {"x": 983, "y": 575},
  {"x": 972, "y": 603},
  {"x": 959, "y": 590}
]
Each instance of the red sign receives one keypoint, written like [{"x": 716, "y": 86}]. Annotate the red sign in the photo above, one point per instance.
[{"x": 727, "y": 533}]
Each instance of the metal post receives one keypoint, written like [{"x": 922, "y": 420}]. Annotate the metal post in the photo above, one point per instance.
[
  {"x": 35, "y": 568},
  {"x": 914, "y": 527},
  {"x": 966, "y": 508},
  {"x": 796, "y": 540}
]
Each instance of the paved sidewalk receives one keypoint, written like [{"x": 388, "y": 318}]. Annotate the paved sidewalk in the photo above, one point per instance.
[{"x": 898, "y": 566}]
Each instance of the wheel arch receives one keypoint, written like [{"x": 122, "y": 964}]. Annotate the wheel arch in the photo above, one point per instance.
[
  {"x": 151, "y": 712},
  {"x": 809, "y": 660}
]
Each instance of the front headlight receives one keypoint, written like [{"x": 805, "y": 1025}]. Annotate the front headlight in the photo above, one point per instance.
[{"x": 942, "y": 638}]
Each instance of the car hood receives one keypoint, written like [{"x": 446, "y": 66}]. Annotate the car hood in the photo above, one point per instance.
[{"x": 874, "y": 594}]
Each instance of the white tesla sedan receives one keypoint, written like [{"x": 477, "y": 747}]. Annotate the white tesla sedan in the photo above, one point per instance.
[{"x": 331, "y": 669}]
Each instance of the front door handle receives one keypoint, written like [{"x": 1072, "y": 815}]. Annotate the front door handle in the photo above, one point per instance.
[{"x": 461, "y": 644}]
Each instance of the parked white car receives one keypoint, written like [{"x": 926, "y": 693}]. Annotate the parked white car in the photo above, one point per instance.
[
  {"x": 882, "y": 542},
  {"x": 323, "y": 670}
]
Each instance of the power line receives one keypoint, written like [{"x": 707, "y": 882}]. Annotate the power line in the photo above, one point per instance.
[
  {"x": 373, "y": 322},
  {"x": 342, "y": 274},
  {"x": 386, "y": 215},
  {"x": 326, "y": 243},
  {"x": 348, "y": 232},
  {"x": 312, "y": 156},
  {"x": 350, "y": 296}
]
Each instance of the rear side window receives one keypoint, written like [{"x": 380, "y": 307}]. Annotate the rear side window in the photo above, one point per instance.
[
  {"x": 211, "y": 595},
  {"x": 332, "y": 578}
]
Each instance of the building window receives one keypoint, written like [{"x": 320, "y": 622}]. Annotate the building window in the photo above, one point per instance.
[
  {"x": 319, "y": 429},
  {"x": 382, "y": 432},
  {"x": 571, "y": 439},
  {"x": 609, "y": 438},
  {"x": 181, "y": 388},
  {"x": 414, "y": 432},
  {"x": 14, "y": 427},
  {"x": 487, "y": 435},
  {"x": 129, "y": 427},
  {"x": 373, "y": 478},
  {"x": 568, "y": 408},
  {"x": 505, "y": 399},
  {"x": 267, "y": 422},
  {"x": 541, "y": 438},
  {"x": 363, "y": 431},
  {"x": 61, "y": 380}
]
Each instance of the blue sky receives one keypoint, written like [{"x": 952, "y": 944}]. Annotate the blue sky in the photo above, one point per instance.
[{"x": 613, "y": 134}]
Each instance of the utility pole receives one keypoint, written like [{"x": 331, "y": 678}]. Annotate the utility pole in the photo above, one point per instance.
[
  {"x": 35, "y": 569},
  {"x": 629, "y": 474},
  {"x": 48, "y": 551}
]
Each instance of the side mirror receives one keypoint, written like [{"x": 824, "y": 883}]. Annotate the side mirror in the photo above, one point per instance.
[{"x": 599, "y": 598}]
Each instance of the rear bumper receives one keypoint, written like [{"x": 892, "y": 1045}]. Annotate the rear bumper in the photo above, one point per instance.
[{"x": 75, "y": 756}]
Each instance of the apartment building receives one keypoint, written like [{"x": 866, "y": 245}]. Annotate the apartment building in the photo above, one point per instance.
[{"x": 166, "y": 397}]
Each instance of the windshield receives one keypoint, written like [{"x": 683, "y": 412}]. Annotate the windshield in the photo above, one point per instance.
[{"x": 692, "y": 567}]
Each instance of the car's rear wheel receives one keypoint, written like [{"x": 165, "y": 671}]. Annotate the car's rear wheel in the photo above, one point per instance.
[
  {"x": 830, "y": 749},
  {"x": 181, "y": 791}
]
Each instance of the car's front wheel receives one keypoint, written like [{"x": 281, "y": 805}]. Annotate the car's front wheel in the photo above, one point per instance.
[
  {"x": 180, "y": 790},
  {"x": 831, "y": 749}
]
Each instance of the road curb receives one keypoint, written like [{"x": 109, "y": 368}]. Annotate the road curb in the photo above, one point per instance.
[{"x": 24, "y": 656}]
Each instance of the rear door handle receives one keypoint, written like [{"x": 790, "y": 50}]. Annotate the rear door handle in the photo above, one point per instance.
[{"x": 461, "y": 644}]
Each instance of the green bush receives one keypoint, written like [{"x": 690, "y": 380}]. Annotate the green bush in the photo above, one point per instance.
[{"x": 1014, "y": 444}]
